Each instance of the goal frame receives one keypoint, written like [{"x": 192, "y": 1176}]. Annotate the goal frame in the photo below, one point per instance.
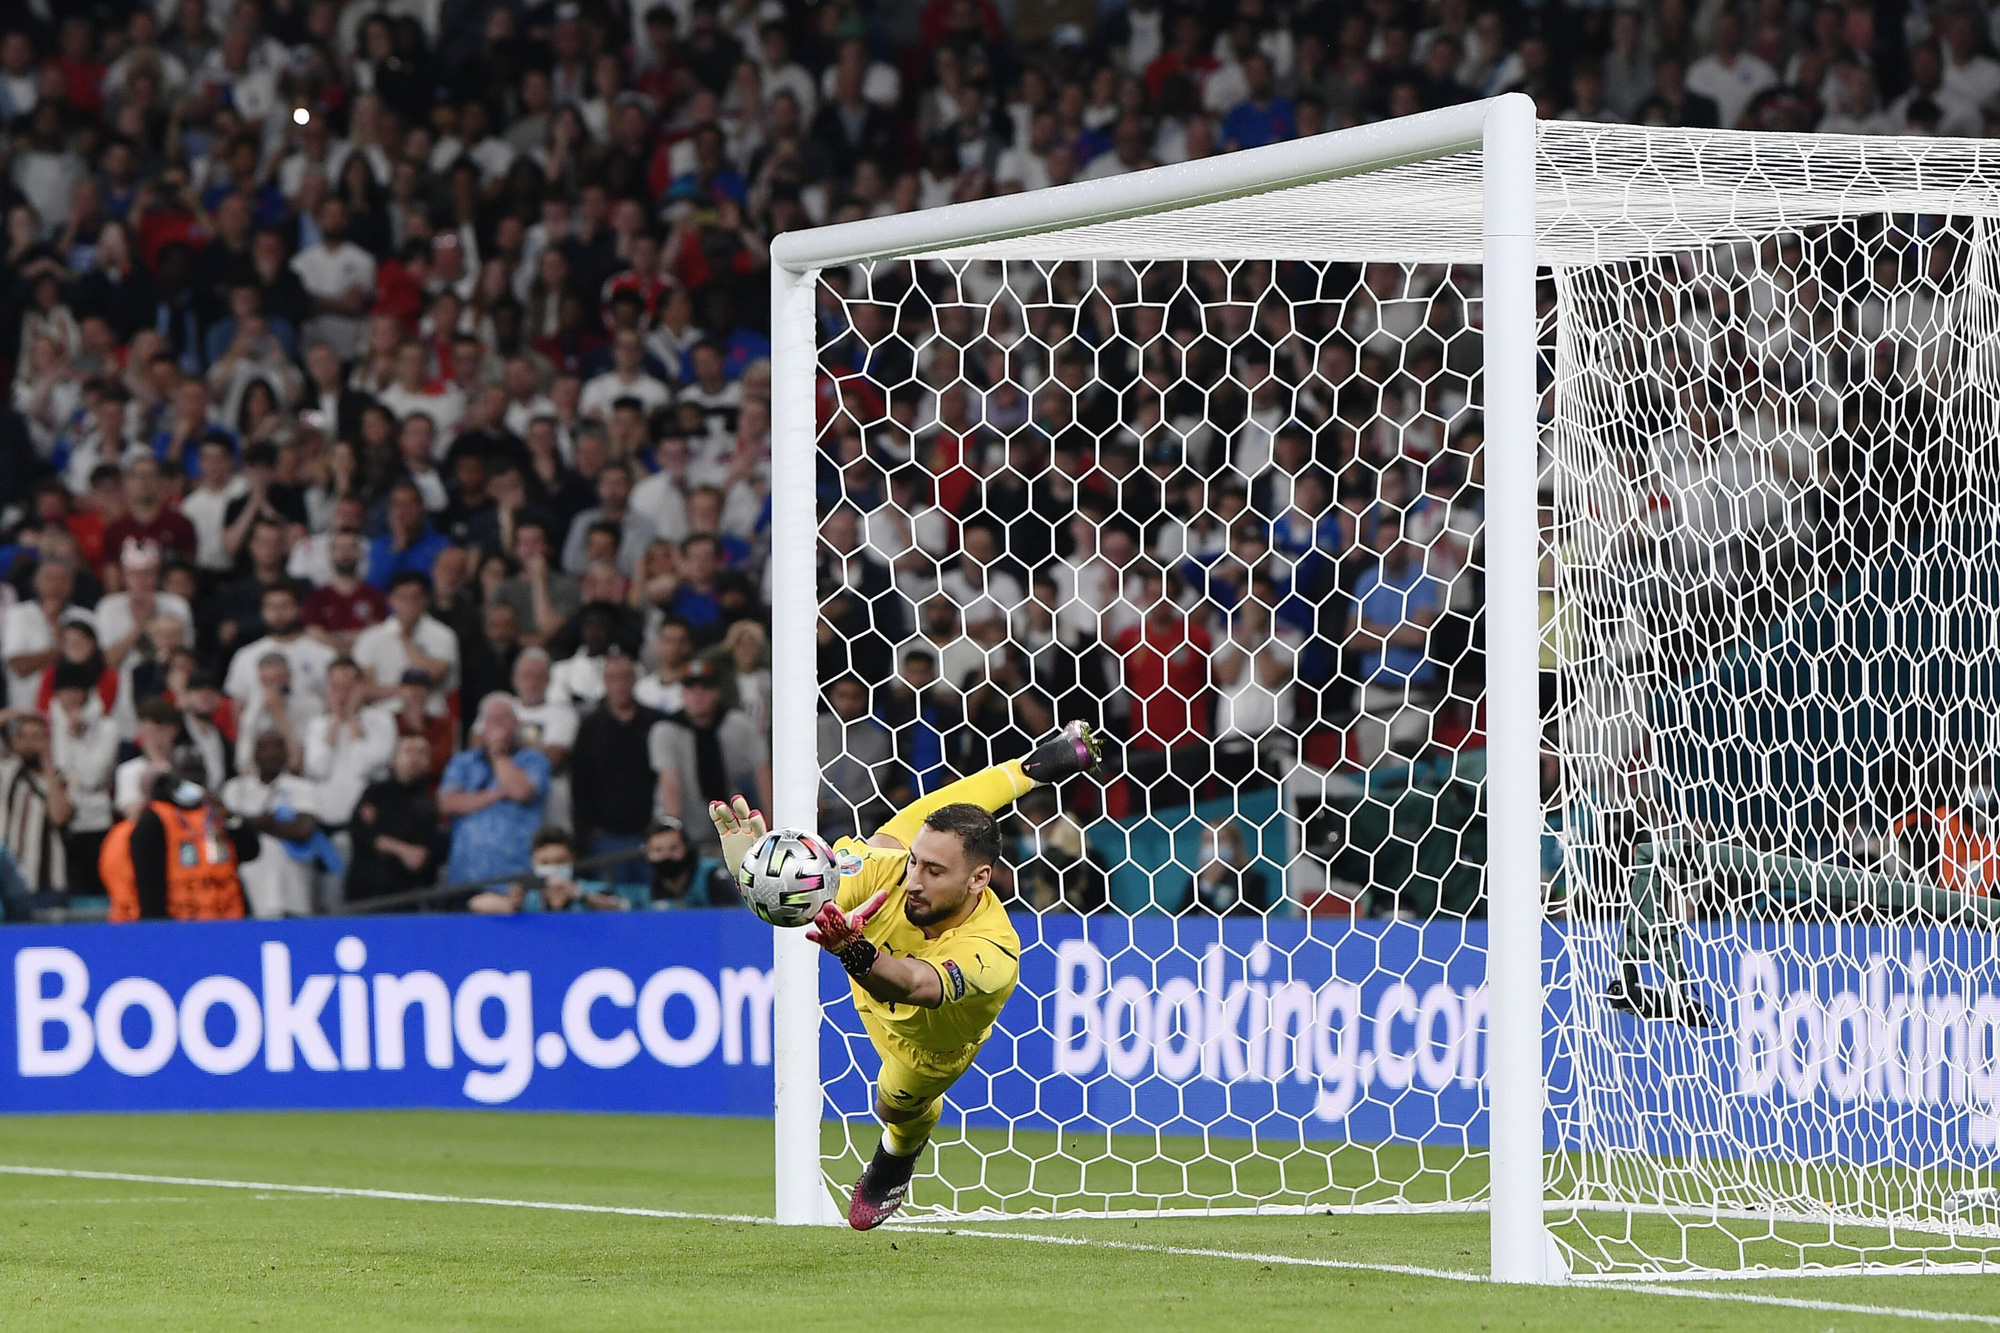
[{"x": 1503, "y": 131}]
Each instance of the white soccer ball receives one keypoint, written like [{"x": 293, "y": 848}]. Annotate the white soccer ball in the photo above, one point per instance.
[{"x": 788, "y": 875}]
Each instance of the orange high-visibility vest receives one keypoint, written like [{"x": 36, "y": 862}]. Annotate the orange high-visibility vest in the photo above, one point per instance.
[{"x": 202, "y": 884}]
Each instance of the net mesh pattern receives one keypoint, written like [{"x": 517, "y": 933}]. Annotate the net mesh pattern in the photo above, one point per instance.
[{"x": 1211, "y": 481}]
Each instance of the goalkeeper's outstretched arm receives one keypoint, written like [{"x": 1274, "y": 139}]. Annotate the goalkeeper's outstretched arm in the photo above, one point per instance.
[{"x": 1072, "y": 751}]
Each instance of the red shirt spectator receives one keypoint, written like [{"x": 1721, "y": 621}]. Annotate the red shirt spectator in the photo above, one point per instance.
[
  {"x": 1166, "y": 672},
  {"x": 348, "y": 612},
  {"x": 147, "y": 517}
]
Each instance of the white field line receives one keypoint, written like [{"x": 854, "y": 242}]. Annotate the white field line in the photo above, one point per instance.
[{"x": 1178, "y": 1251}]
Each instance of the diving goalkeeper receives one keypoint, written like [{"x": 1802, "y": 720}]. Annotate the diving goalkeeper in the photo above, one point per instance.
[{"x": 932, "y": 971}]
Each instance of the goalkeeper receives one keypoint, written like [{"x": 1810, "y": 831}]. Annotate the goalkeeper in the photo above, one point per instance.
[{"x": 931, "y": 973}]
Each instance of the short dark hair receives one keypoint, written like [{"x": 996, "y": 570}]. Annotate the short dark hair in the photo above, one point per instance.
[
  {"x": 160, "y": 711},
  {"x": 978, "y": 831},
  {"x": 552, "y": 837},
  {"x": 409, "y": 576}
]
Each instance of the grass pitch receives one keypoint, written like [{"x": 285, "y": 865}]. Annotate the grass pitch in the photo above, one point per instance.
[{"x": 94, "y": 1253}]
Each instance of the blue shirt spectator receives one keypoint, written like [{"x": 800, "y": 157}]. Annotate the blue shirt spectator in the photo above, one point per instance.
[
  {"x": 410, "y": 544},
  {"x": 1392, "y": 599},
  {"x": 494, "y": 795},
  {"x": 1262, "y": 117}
]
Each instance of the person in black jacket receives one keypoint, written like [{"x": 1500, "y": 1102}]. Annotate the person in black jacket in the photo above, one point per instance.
[
  {"x": 612, "y": 773},
  {"x": 395, "y": 827}
]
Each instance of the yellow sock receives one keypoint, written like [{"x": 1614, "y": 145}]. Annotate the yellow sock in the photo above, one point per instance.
[
  {"x": 908, "y": 1139},
  {"x": 990, "y": 789}
]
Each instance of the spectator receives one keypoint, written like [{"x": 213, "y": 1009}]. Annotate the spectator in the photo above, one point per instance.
[
  {"x": 1254, "y": 671},
  {"x": 547, "y": 722},
  {"x": 273, "y": 706},
  {"x": 554, "y": 886},
  {"x": 1396, "y": 603},
  {"x": 123, "y": 616},
  {"x": 1729, "y": 76},
  {"x": 410, "y": 639},
  {"x": 345, "y": 605},
  {"x": 83, "y": 747},
  {"x": 614, "y": 780},
  {"x": 339, "y": 277},
  {"x": 679, "y": 878},
  {"x": 148, "y": 518},
  {"x": 705, "y": 753},
  {"x": 1227, "y": 884},
  {"x": 860, "y": 783},
  {"x": 493, "y": 793},
  {"x": 394, "y": 828},
  {"x": 410, "y": 707},
  {"x": 673, "y": 650},
  {"x": 410, "y": 546},
  {"x": 541, "y": 596},
  {"x": 177, "y": 856},
  {"x": 631, "y": 532},
  {"x": 35, "y": 807},
  {"x": 28, "y": 635},
  {"x": 282, "y": 809},
  {"x": 235, "y": 615},
  {"x": 159, "y": 730},
  {"x": 306, "y": 658},
  {"x": 627, "y": 378},
  {"x": 347, "y": 747},
  {"x": 1166, "y": 661}
]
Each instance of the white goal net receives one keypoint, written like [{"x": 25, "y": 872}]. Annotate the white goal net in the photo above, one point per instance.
[{"x": 1214, "y": 479}]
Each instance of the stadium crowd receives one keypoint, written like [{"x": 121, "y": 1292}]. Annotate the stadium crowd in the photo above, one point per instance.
[{"x": 388, "y": 418}]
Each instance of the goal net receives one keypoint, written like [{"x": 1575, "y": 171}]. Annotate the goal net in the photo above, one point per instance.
[{"x": 1203, "y": 461}]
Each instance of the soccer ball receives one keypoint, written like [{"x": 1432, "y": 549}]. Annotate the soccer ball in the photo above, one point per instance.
[{"x": 788, "y": 875}]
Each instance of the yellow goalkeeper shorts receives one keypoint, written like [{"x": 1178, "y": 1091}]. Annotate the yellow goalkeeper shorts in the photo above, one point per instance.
[{"x": 912, "y": 1078}]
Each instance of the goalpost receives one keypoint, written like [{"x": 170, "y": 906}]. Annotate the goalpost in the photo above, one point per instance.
[{"x": 1633, "y": 437}]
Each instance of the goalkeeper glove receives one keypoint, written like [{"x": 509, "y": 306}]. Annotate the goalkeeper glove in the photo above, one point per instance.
[{"x": 739, "y": 827}]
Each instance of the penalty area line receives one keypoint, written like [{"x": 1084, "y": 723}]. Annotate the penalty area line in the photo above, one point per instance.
[{"x": 1034, "y": 1238}]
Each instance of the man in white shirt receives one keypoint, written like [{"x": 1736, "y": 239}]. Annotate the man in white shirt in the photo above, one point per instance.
[
  {"x": 207, "y": 505},
  {"x": 83, "y": 747},
  {"x": 283, "y": 808},
  {"x": 347, "y": 747},
  {"x": 719, "y": 397},
  {"x": 549, "y": 724},
  {"x": 307, "y": 657},
  {"x": 414, "y": 394},
  {"x": 1731, "y": 76},
  {"x": 409, "y": 638},
  {"x": 123, "y": 616},
  {"x": 578, "y": 680},
  {"x": 660, "y": 689},
  {"x": 525, "y": 399},
  {"x": 1972, "y": 78},
  {"x": 978, "y": 575},
  {"x": 132, "y": 781},
  {"x": 627, "y": 378},
  {"x": 1955, "y": 116},
  {"x": 1026, "y": 166},
  {"x": 339, "y": 276},
  {"x": 28, "y": 635}
]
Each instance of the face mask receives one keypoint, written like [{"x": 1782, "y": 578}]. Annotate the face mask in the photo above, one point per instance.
[
  {"x": 187, "y": 795},
  {"x": 562, "y": 870},
  {"x": 666, "y": 877}
]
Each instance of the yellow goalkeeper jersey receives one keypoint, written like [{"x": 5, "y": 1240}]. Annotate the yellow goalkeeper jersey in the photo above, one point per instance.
[{"x": 977, "y": 964}]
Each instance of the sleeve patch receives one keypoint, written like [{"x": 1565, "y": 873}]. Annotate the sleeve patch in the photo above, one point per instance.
[{"x": 955, "y": 979}]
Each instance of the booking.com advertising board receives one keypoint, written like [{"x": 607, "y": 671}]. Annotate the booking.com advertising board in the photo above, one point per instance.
[{"x": 1366, "y": 1031}]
